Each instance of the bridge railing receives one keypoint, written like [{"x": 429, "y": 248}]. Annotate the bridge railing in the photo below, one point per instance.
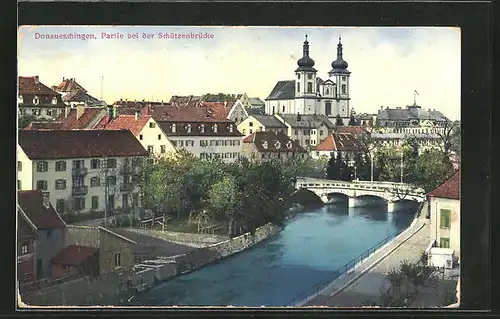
[
  {"x": 362, "y": 185},
  {"x": 319, "y": 286}
]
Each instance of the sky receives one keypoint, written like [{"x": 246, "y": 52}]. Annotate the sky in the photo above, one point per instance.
[{"x": 387, "y": 64}]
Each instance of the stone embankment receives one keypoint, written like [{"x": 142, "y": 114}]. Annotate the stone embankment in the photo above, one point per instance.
[{"x": 114, "y": 289}]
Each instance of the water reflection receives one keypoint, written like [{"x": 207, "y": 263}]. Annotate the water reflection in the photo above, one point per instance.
[{"x": 376, "y": 212}]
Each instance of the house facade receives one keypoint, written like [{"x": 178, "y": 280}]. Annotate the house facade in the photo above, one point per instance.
[
  {"x": 38, "y": 100},
  {"x": 425, "y": 141},
  {"x": 444, "y": 204},
  {"x": 74, "y": 94},
  {"x": 345, "y": 144},
  {"x": 81, "y": 170},
  {"x": 48, "y": 229},
  {"x": 411, "y": 120},
  {"x": 26, "y": 241},
  {"x": 306, "y": 130},
  {"x": 261, "y": 123},
  {"x": 309, "y": 94},
  {"x": 267, "y": 145}
]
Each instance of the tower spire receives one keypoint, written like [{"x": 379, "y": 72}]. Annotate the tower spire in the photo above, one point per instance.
[
  {"x": 306, "y": 47},
  {"x": 339, "y": 48}
]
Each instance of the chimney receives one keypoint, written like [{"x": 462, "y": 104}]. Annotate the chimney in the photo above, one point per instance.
[
  {"x": 225, "y": 103},
  {"x": 66, "y": 111},
  {"x": 46, "y": 199},
  {"x": 110, "y": 113},
  {"x": 37, "y": 79},
  {"x": 136, "y": 115},
  {"x": 382, "y": 107},
  {"x": 64, "y": 78},
  {"x": 299, "y": 118},
  {"x": 80, "y": 109}
]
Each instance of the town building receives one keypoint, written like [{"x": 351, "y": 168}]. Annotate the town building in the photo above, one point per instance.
[
  {"x": 411, "y": 120},
  {"x": 425, "y": 141},
  {"x": 309, "y": 94},
  {"x": 233, "y": 111},
  {"x": 40, "y": 235},
  {"x": 306, "y": 130},
  {"x": 269, "y": 145},
  {"x": 81, "y": 170},
  {"x": 253, "y": 105},
  {"x": 444, "y": 206},
  {"x": 365, "y": 119},
  {"x": 201, "y": 131},
  {"x": 38, "y": 100},
  {"x": 74, "y": 94},
  {"x": 345, "y": 144},
  {"x": 78, "y": 118},
  {"x": 261, "y": 123}
]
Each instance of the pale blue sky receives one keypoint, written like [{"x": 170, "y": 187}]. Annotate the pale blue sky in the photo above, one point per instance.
[{"x": 387, "y": 64}]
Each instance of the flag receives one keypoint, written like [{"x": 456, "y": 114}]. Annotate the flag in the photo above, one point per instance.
[{"x": 416, "y": 92}]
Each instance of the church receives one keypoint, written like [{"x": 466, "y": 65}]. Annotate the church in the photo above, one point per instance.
[{"x": 309, "y": 94}]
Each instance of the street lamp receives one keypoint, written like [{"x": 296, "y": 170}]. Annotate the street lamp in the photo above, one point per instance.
[
  {"x": 401, "y": 166},
  {"x": 371, "y": 160}
]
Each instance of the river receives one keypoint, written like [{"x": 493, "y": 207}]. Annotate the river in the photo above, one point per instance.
[{"x": 311, "y": 247}]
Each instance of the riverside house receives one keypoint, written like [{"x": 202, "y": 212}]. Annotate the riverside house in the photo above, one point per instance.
[
  {"x": 339, "y": 143},
  {"x": 261, "y": 123},
  {"x": 77, "y": 168},
  {"x": 263, "y": 146},
  {"x": 306, "y": 130}
]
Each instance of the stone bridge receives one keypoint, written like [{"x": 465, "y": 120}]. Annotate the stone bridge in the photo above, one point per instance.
[{"x": 361, "y": 193}]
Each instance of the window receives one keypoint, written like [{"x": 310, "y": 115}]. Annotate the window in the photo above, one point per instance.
[
  {"x": 61, "y": 206},
  {"x": 343, "y": 88},
  {"x": 95, "y": 202},
  {"x": 79, "y": 203},
  {"x": 298, "y": 87},
  {"x": 60, "y": 184},
  {"x": 60, "y": 166},
  {"x": 444, "y": 242},
  {"x": 163, "y": 149},
  {"x": 309, "y": 76},
  {"x": 118, "y": 260},
  {"x": 41, "y": 185},
  {"x": 320, "y": 132},
  {"x": 152, "y": 124},
  {"x": 141, "y": 137},
  {"x": 181, "y": 143},
  {"x": 309, "y": 87},
  {"x": 251, "y": 131},
  {"x": 230, "y": 128},
  {"x": 283, "y": 109},
  {"x": 94, "y": 163},
  {"x": 445, "y": 218},
  {"x": 54, "y": 101},
  {"x": 244, "y": 131},
  {"x": 328, "y": 108},
  {"x": 78, "y": 164},
  {"x": 18, "y": 184},
  {"x": 250, "y": 124},
  {"x": 36, "y": 100},
  {"x": 327, "y": 91},
  {"x": 95, "y": 181},
  {"x": 188, "y": 128},
  {"x": 173, "y": 128},
  {"x": 111, "y": 181},
  {"x": 215, "y": 127},
  {"x": 125, "y": 203},
  {"x": 298, "y": 76},
  {"x": 343, "y": 78},
  {"x": 24, "y": 248},
  {"x": 111, "y": 163},
  {"x": 41, "y": 166},
  {"x": 19, "y": 166}
]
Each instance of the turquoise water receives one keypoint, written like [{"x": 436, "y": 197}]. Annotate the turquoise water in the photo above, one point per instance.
[{"x": 310, "y": 249}]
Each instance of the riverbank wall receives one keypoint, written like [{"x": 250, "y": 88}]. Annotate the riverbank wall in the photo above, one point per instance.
[{"x": 118, "y": 288}]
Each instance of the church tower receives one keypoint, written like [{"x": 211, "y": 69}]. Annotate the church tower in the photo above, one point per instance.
[
  {"x": 305, "y": 83},
  {"x": 340, "y": 75}
]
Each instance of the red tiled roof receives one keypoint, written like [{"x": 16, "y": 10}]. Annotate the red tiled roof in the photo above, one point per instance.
[
  {"x": 31, "y": 203},
  {"x": 30, "y": 85},
  {"x": 69, "y": 85},
  {"x": 74, "y": 255},
  {"x": 43, "y": 126},
  {"x": 102, "y": 123},
  {"x": 54, "y": 144},
  {"x": 219, "y": 109},
  {"x": 72, "y": 123},
  {"x": 187, "y": 114},
  {"x": 249, "y": 138},
  {"x": 351, "y": 129},
  {"x": 328, "y": 144},
  {"x": 343, "y": 142},
  {"x": 182, "y": 129},
  {"x": 450, "y": 189},
  {"x": 129, "y": 122},
  {"x": 24, "y": 230}
]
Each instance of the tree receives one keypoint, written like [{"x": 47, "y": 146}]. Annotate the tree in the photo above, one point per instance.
[
  {"x": 362, "y": 166},
  {"x": 432, "y": 169},
  {"x": 339, "y": 121},
  {"x": 352, "y": 121},
  {"x": 224, "y": 201},
  {"x": 447, "y": 137},
  {"x": 333, "y": 167},
  {"x": 396, "y": 278},
  {"x": 25, "y": 120},
  {"x": 455, "y": 141}
]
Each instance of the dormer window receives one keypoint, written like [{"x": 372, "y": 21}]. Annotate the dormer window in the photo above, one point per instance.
[
  {"x": 289, "y": 144},
  {"x": 174, "y": 128},
  {"x": 54, "y": 100},
  {"x": 202, "y": 128},
  {"x": 298, "y": 76},
  {"x": 20, "y": 99},
  {"x": 265, "y": 145},
  {"x": 215, "y": 127},
  {"x": 188, "y": 128},
  {"x": 277, "y": 145},
  {"x": 36, "y": 100},
  {"x": 327, "y": 90},
  {"x": 231, "y": 128}
]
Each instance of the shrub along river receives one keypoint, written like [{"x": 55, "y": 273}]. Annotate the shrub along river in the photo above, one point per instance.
[{"x": 311, "y": 247}]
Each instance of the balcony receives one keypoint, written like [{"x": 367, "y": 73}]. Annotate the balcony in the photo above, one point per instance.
[
  {"x": 80, "y": 171},
  {"x": 126, "y": 187},
  {"x": 80, "y": 190}
]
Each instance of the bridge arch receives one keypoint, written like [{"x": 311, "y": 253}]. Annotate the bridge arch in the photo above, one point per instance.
[
  {"x": 367, "y": 199},
  {"x": 336, "y": 197}
]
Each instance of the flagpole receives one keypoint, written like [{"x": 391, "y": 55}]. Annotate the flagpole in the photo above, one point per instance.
[{"x": 414, "y": 97}]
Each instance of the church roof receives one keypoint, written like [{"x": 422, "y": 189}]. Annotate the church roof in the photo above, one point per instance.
[
  {"x": 283, "y": 90},
  {"x": 307, "y": 120}
]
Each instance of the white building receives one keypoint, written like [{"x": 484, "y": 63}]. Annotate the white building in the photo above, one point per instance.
[
  {"x": 445, "y": 215},
  {"x": 74, "y": 165},
  {"x": 309, "y": 94},
  {"x": 306, "y": 130}
]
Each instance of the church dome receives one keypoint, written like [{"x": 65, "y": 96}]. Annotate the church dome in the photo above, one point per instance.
[
  {"x": 340, "y": 64},
  {"x": 305, "y": 63}
]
